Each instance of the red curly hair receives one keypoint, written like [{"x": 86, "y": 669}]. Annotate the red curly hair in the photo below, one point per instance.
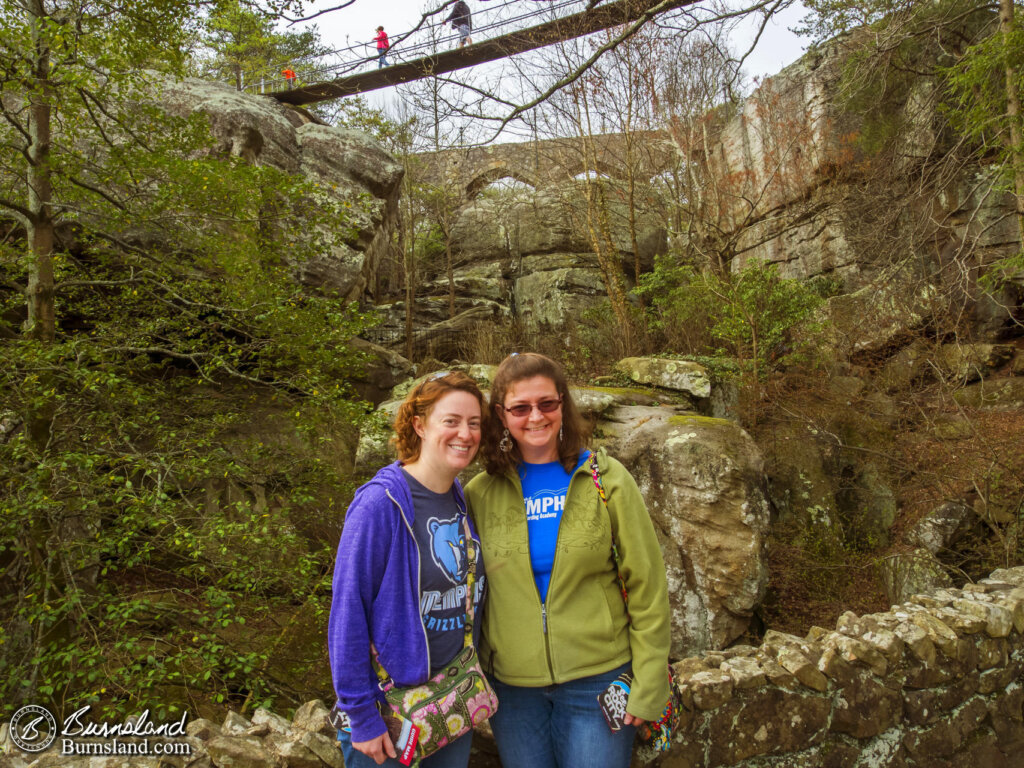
[{"x": 420, "y": 402}]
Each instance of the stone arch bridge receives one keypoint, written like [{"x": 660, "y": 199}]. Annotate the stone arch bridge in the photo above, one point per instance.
[{"x": 550, "y": 161}]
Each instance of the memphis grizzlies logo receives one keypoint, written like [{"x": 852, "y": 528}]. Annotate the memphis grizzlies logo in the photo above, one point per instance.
[{"x": 448, "y": 548}]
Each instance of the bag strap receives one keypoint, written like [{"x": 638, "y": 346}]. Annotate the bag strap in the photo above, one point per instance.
[
  {"x": 385, "y": 683},
  {"x": 471, "y": 555},
  {"x": 595, "y": 472}
]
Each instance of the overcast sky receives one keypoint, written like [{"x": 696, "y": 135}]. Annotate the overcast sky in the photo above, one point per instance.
[{"x": 356, "y": 24}]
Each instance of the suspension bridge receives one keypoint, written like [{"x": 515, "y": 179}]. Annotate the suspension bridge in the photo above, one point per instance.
[{"x": 504, "y": 36}]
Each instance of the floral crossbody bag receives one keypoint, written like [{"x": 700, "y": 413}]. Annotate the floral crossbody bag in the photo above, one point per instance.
[{"x": 421, "y": 719}]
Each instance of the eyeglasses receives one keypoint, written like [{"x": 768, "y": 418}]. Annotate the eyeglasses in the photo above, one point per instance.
[{"x": 524, "y": 409}]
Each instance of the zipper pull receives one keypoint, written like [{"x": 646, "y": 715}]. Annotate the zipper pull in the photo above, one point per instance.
[{"x": 544, "y": 617}]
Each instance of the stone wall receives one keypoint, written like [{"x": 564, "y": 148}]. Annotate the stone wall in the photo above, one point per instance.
[{"x": 937, "y": 681}]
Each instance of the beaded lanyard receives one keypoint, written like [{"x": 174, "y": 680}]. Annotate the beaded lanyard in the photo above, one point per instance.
[{"x": 657, "y": 733}]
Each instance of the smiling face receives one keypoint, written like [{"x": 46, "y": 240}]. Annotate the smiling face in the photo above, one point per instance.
[
  {"x": 536, "y": 433},
  {"x": 450, "y": 434}
]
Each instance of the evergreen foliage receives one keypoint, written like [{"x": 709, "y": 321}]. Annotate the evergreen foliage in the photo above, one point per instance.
[{"x": 240, "y": 43}]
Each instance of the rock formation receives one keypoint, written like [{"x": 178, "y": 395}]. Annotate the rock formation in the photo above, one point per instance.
[
  {"x": 703, "y": 482},
  {"x": 528, "y": 258},
  {"x": 347, "y": 165}
]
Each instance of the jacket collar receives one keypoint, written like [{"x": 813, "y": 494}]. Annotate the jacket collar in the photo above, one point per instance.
[{"x": 393, "y": 481}]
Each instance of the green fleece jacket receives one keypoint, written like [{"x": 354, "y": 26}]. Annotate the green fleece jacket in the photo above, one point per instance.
[{"x": 583, "y": 629}]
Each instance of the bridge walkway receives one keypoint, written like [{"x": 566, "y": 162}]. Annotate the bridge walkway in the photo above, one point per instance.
[{"x": 577, "y": 25}]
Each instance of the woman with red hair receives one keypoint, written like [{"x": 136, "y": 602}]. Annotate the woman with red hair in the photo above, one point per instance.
[{"x": 404, "y": 568}]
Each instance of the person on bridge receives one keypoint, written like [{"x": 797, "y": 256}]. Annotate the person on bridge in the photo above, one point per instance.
[
  {"x": 382, "y": 47},
  {"x": 462, "y": 22},
  {"x": 289, "y": 77}
]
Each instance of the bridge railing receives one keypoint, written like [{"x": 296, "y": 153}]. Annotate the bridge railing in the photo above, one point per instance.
[{"x": 499, "y": 19}]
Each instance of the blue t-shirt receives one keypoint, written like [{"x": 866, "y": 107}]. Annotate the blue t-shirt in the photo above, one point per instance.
[
  {"x": 544, "y": 490},
  {"x": 441, "y": 539}
]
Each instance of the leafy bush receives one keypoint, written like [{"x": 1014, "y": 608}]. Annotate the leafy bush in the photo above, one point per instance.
[
  {"x": 173, "y": 466},
  {"x": 747, "y": 315}
]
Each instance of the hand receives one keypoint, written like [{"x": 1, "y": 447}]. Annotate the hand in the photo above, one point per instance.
[
  {"x": 632, "y": 720},
  {"x": 380, "y": 748}
]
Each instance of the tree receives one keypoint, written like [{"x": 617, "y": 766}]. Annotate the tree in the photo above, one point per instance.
[
  {"x": 155, "y": 278},
  {"x": 241, "y": 43},
  {"x": 986, "y": 86}
]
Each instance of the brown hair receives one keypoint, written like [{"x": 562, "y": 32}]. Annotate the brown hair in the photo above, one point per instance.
[
  {"x": 420, "y": 402},
  {"x": 515, "y": 368}
]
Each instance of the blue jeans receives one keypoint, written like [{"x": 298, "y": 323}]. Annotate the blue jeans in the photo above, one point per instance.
[
  {"x": 454, "y": 755},
  {"x": 559, "y": 726},
  {"x": 382, "y": 60}
]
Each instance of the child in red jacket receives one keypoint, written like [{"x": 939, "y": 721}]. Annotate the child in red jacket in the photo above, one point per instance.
[{"x": 382, "y": 47}]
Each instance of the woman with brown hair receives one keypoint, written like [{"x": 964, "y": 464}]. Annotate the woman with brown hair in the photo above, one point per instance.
[
  {"x": 400, "y": 579},
  {"x": 556, "y": 633}
]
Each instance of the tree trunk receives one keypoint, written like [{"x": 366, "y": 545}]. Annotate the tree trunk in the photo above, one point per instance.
[
  {"x": 1013, "y": 113},
  {"x": 601, "y": 237},
  {"x": 42, "y": 322},
  {"x": 451, "y": 271},
  {"x": 41, "y": 314},
  {"x": 409, "y": 264},
  {"x": 608, "y": 260}
]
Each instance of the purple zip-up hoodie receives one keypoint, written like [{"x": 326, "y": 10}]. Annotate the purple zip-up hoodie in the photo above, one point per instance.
[{"x": 377, "y": 598}]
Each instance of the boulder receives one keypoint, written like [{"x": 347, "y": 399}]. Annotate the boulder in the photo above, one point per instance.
[
  {"x": 292, "y": 754},
  {"x": 966, "y": 362},
  {"x": 959, "y": 362},
  {"x": 869, "y": 507},
  {"x": 235, "y": 724},
  {"x": 993, "y": 394},
  {"x": 702, "y": 479},
  {"x": 484, "y": 280},
  {"x": 384, "y": 369},
  {"x": 941, "y": 528},
  {"x": 883, "y": 314},
  {"x": 668, "y": 373},
  {"x": 315, "y": 717},
  {"x": 239, "y": 752},
  {"x": 908, "y": 573},
  {"x": 548, "y": 300},
  {"x": 801, "y": 466},
  {"x": 274, "y": 722},
  {"x": 375, "y": 448}
]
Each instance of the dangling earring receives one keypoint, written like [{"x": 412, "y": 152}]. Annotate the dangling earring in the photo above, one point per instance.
[
  {"x": 506, "y": 442},
  {"x": 561, "y": 432}
]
